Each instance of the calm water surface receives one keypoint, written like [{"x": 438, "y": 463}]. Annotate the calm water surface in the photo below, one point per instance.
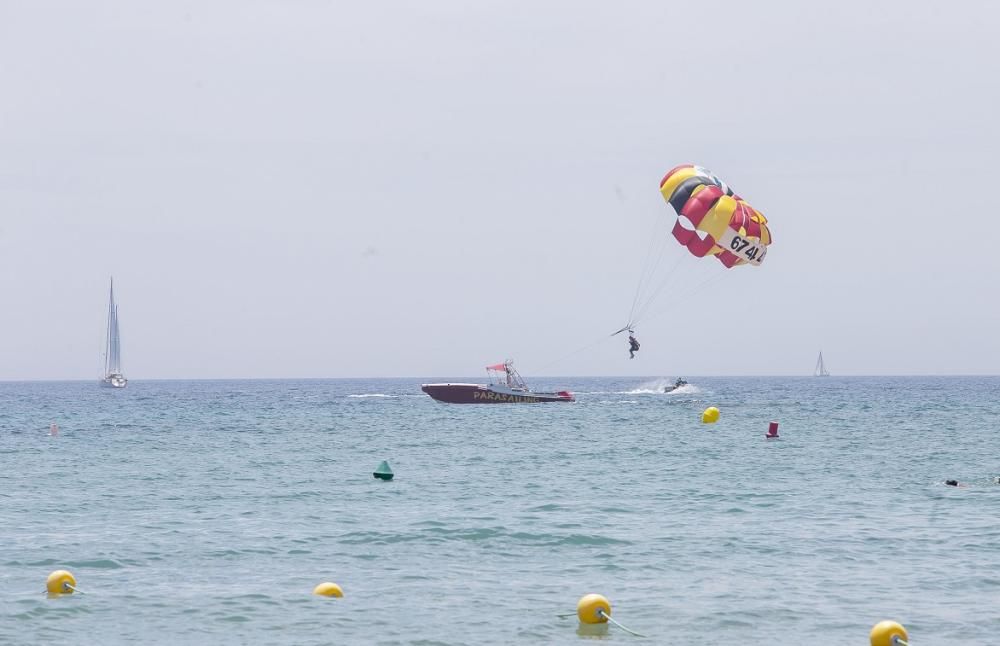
[{"x": 204, "y": 512}]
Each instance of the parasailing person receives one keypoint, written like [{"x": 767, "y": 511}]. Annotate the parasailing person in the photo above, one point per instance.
[{"x": 633, "y": 346}]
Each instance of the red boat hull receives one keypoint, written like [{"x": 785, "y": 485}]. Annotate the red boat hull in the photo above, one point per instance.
[{"x": 482, "y": 394}]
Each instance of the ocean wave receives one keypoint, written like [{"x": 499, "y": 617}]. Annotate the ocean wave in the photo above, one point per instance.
[{"x": 477, "y": 534}]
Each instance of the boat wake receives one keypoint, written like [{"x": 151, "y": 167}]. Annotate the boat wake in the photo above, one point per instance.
[
  {"x": 657, "y": 387},
  {"x": 365, "y": 395}
]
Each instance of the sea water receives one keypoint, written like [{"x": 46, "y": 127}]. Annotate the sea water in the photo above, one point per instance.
[{"x": 204, "y": 512}]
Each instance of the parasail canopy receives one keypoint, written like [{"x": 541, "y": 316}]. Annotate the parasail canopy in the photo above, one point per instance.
[{"x": 712, "y": 220}]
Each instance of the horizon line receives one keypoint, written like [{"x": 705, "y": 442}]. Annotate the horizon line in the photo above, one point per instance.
[{"x": 589, "y": 376}]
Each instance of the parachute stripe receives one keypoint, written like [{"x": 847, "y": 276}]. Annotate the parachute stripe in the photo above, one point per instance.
[
  {"x": 730, "y": 260},
  {"x": 683, "y": 192},
  {"x": 676, "y": 175},
  {"x": 700, "y": 204},
  {"x": 719, "y": 217},
  {"x": 683, "y": 235},
  {"x": 701, "y": 247}
]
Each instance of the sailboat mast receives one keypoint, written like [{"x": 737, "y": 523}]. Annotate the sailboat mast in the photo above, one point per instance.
[{"x": 108, "y": 339}]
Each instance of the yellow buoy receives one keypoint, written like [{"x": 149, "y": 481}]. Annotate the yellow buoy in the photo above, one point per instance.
[
  {"x": 888, "y": 633},
  {"x": 710, "y": 416},
  {"x": 61, "y": 582},
  {"x": 593, "y": 609},
  {"x": 328, "y": 589}
]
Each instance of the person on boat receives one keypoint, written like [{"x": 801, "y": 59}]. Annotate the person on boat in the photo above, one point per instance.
[{"x": 633, "y": 346}]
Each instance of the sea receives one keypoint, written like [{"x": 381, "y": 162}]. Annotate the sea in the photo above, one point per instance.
[{"x": 205, "y": 512}]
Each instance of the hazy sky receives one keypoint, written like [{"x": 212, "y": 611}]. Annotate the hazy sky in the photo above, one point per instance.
[{"x": 292, "y": 188}]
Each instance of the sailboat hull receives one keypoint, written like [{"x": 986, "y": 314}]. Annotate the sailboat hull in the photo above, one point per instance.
[{"x": 114, "y": 381}]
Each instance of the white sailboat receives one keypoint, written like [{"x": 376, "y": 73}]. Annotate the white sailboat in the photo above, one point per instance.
[
  {"x": 820, "y": 370},
  {"x": 113, "y": 377}
]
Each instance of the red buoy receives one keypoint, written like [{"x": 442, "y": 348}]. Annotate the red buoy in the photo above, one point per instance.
[{"x": 772, "y": 430}]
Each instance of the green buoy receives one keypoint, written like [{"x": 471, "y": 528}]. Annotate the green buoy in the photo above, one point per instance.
[{"x": 383, "y": 472}]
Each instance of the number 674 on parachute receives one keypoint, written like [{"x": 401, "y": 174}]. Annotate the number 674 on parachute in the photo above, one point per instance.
[{"x": 750, "y": 250}]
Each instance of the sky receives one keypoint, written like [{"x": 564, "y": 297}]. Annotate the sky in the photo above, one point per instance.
[{"x": 302, "y": 188}]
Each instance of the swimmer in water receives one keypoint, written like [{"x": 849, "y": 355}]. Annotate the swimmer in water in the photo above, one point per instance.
[{"x": 951, "y": 483}]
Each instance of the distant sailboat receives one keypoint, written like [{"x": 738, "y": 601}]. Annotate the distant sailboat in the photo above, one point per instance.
[
  {"x": 820, "y": 370},
  {"x": 113, "y": 377}
]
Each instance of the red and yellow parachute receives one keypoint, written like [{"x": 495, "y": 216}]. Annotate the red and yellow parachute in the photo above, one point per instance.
[{"x": 711, "y": 220}]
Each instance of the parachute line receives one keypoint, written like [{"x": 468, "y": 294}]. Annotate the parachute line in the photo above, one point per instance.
[
  {"x": 653, "y": 271},
  {"x": 666, "y": 280},
  {"x": 690, "y": 290},
  {"x": 647, "y": 272},
  {"x": 576, "y": 352}
]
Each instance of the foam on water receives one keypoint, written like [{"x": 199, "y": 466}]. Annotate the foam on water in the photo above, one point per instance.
[{"x": 657, "y": 386}]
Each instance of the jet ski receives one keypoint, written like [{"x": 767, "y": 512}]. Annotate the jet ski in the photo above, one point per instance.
[{"x": 677, "y": 384}]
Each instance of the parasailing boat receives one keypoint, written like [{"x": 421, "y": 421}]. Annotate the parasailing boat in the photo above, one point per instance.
[
  {"x": 506, "y": 387},
  {"x": 113, "y": 377}
]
